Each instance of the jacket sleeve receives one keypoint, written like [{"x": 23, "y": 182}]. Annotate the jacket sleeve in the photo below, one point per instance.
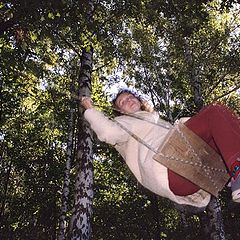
[{"x": 106, "y": 129}]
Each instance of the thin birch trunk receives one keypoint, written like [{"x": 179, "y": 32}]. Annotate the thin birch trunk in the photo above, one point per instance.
[
  {"x": 80, "y": 226},
  {"x": 66, "y": 181},
  {"x": 1, "y": 94},
  {"x": 186, "y": 226},
  {"x": 6, "y": 185},
  {"x": 155, "y": 213},
  {"x": 193, "y": 75},
  {"x": 216, "y": 228},
  {"x": 81, "y": 218}
]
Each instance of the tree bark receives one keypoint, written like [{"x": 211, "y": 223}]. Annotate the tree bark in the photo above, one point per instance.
[
  {"x": 66, "y": 181},
  {"x": 193, "y": 75},
  {"x": 214, "y": 228},
  {"x": 80, "y": 225},
  {"x": 6, "y": 185},
  {"x": 83, "y": 199}
]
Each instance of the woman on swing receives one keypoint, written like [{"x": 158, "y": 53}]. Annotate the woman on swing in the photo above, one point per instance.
[{"x": 215, "y": 124}]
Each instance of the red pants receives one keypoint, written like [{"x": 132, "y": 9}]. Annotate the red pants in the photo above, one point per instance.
[{"x": 220, "y": 128}]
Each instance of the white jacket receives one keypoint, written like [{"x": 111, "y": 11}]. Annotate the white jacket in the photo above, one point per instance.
[{"x": 150, "y": 173}]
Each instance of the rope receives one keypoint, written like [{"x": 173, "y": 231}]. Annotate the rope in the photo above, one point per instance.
[
  {"x": 206, "y": 169},
  {"x": 166, "y": 125},
  {"x": 163, "y": 123},
  {"x": 136, "y": 137}
]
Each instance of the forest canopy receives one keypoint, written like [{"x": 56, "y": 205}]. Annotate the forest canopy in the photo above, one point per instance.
[{"x": 181, "y": 55}]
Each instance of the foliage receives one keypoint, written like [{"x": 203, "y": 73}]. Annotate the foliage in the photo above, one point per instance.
[{"x": 159, "y": 47}]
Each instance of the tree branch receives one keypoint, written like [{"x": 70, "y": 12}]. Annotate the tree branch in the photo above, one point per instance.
[{"x": 225, "y": 94}]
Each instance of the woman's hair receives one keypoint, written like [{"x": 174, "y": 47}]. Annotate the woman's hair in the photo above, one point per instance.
[{"x": 145, "y": 106}]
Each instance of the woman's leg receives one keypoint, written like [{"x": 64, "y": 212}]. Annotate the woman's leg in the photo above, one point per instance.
[
  {"x": 220, "y": 128},
  {"x": 181, "y": 186}
]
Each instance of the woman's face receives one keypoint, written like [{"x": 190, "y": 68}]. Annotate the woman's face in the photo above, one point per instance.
[{"x": 127, "y": 103}]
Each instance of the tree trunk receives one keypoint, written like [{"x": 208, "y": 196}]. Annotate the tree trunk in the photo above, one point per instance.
[
  {"x": 214, "y": 228},
  {"x": 186, "y": 226},
  {"x": 81, "y": 218},
  {"x": 6, "y": 185},
  {"x": 80, "y": 225},
  {"x": 155, "y": 213},
  {"x": 66, "y": 181},
  {"x": 1, "y": 93},
  {"x": 193, "y": 75}
]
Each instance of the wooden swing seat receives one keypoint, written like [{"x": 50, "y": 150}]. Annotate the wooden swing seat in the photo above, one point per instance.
[{"x": 188, "y": 155}]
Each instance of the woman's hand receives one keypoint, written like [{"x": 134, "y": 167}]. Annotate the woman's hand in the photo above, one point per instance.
[{"x": 86, "y": 102}]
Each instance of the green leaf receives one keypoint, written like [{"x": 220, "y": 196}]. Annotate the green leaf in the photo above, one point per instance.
[{"x": 51, "y": 15}]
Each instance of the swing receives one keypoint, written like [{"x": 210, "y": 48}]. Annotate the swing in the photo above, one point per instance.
[
  {"x": 185, "y": 153},
  {"x": 188, "y": 155}
]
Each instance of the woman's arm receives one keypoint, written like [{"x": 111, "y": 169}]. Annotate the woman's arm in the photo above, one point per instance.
[{"x": 106, "y": 129}]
